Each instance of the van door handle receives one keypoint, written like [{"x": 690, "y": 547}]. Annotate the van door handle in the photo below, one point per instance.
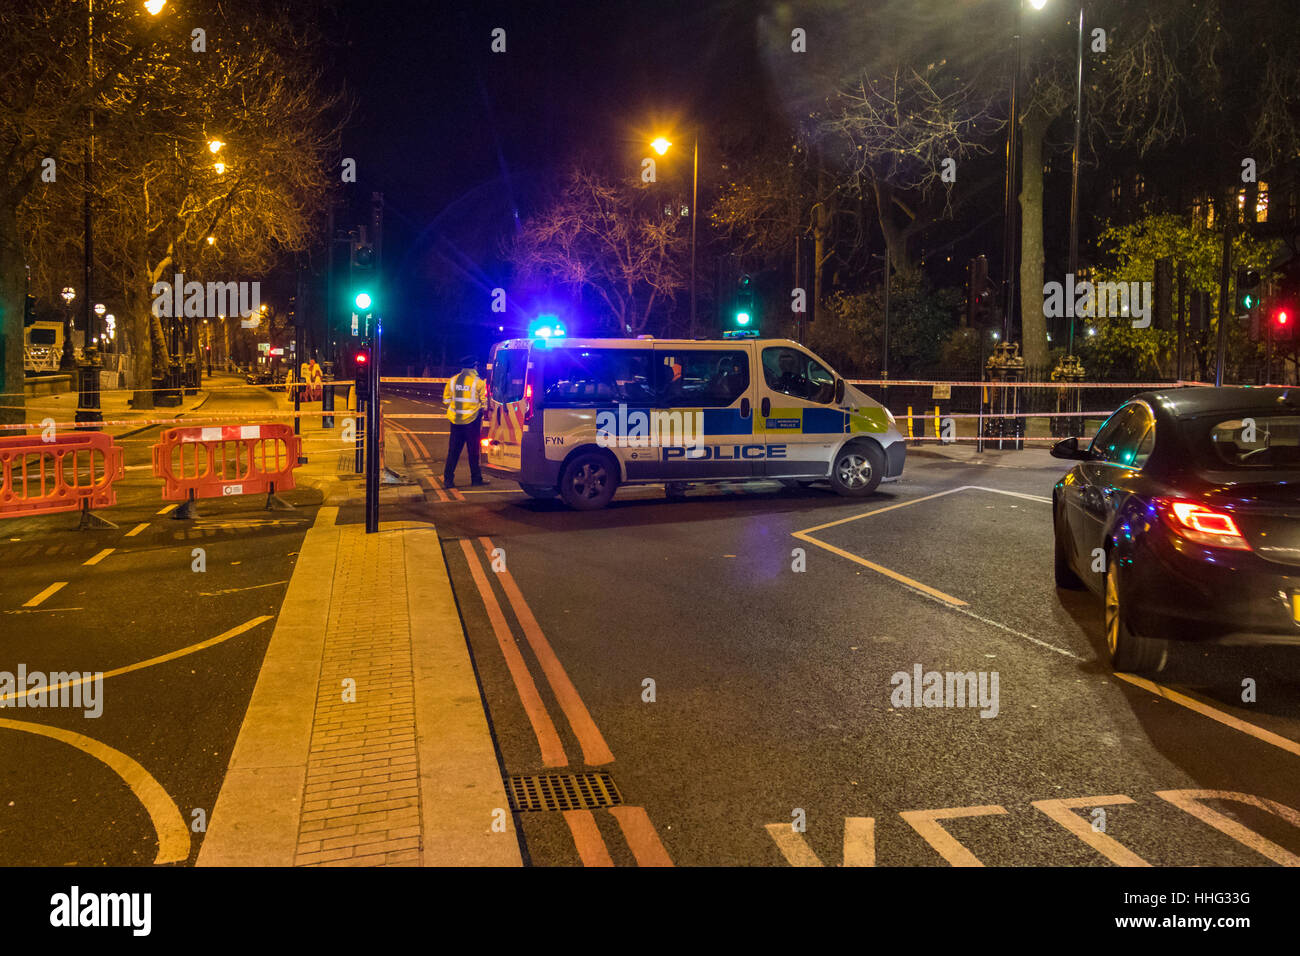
[
  {"x": 744, "y": 407},
  {"x": 766, "y": 407}
]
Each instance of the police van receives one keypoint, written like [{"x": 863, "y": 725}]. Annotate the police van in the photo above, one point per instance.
[{"x": 579, "y": 417}]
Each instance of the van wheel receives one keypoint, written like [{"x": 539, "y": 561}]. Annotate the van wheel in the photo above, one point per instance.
[
  {"x": 588, "y": 481},
  {"x": 1128, "y": 651},
  {"x": 540, "y": 492},
  {"x": 858, "y": 469}
]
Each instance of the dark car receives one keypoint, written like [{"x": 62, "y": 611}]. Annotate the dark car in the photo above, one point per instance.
[{"x": 1184, "y": 515}]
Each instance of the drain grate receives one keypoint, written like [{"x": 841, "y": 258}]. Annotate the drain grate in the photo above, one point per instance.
[{"x": 562, "y": 791}]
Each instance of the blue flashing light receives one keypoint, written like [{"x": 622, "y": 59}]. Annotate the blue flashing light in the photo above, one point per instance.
[{"x": 546, "y": 327}]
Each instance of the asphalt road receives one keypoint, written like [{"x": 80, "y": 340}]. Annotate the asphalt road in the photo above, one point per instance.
[
  {"x": 63, "y": 802},
  {"x": 774, "y": 688}
]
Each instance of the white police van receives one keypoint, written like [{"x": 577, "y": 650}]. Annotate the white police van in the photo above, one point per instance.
[{"x": 579, "y": 417}]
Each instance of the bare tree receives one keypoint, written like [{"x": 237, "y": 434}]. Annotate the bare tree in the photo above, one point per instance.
[
  {"x": 611, "y": 239},
  {"x": 908, "y": 130}
]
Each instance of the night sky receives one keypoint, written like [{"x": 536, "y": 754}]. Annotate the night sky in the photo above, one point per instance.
[{"x": 461, "y": 139}]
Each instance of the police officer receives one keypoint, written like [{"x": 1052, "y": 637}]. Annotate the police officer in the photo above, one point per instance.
[{"x": 464, "y": 396}]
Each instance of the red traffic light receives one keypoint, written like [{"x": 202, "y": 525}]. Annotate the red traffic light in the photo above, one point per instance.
[
  {"x": 1282, "y": 317},
  {"x": 362, "y": 358}
]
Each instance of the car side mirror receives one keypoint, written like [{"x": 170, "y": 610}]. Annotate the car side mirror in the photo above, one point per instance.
[
  {"x": 839, "y": 391},
  {"x": 1068, "y": 448}
]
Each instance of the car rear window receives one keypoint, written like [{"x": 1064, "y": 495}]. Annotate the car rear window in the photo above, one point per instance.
[{"x": 1247, "y": 441}]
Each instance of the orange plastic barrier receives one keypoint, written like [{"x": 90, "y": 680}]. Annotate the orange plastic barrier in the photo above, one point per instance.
[
  {"x": 198, "y": 462},
  {"x": 73, "y": 471}
]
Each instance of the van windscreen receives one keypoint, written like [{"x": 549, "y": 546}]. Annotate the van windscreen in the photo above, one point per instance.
[{"x": 509, "y": 368}]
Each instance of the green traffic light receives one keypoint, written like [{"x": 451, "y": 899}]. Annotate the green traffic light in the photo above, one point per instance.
[
  {"x": 363, "y": 300},
  {"x": 742, "y": 318}
]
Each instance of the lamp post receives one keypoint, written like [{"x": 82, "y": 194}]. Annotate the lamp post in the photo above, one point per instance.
[
  {"x": 67, "y": 360},
  {"x": 661, "y": 146}
]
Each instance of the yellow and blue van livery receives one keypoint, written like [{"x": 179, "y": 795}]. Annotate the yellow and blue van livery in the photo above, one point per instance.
[{"x": 578, "y": 417}]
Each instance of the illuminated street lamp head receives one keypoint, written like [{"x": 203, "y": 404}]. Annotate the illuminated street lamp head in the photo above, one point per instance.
[
  {"x": 154, "y": 6},
  {"x": 68, "y": 293},
  {"x": 220, "y": 168},
  {"x": 1038, "y": 4},
  {"x": 211, "y": 240},
  {"x": 99, "y": 308},
  {"x": 363, "y": 300},
  {"x": 660, "y": 145},
  {"x": 214, "y": 145}
]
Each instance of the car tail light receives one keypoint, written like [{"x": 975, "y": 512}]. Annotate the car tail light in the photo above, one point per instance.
[
  {"x": 528, "y": 403},
  {"x": 1202, "y": 524}
]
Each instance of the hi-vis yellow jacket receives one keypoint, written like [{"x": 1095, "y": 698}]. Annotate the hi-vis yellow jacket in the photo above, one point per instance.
[{"x": 464, "y": 395}]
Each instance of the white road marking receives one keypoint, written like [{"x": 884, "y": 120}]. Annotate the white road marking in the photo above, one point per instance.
[{"x": 46, "y": 593}]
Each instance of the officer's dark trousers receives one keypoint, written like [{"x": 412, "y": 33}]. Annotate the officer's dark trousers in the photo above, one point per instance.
[{"x": 467, "y": 437}]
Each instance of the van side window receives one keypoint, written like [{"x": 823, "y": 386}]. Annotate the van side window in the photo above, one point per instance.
[
  {"x": 577, "y": 378},
  {"x": 701, "y": 378},
  {"x": 509, "y": 367},
  {"x": 798, "y": 375}
]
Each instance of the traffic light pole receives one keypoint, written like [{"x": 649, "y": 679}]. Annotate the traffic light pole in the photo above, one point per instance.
[
  {"x": 1225, "y": 269},
  {"x": 373, "y": 464}
]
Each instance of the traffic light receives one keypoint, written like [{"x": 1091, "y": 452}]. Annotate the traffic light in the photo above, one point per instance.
[
  {"x": 979, "y": 294},
  {"x": 363, "y": 301},
  {"x": 363, "y": 254},
  {"x": 1282, "y": 322},
  {"x": 361, "y": 368},
  {"x": 1248, "y": 290},
  {"x": 744, "y": 321}
]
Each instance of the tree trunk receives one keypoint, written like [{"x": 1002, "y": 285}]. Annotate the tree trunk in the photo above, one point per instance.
[
  {"x": 12, "y": 289},
  {"x": 1033, "y": 323},
  {"x": 821, "y": 231},
  {"x": 142, "y": 319}
]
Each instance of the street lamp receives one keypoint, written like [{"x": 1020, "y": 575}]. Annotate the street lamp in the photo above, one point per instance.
[{"x": 661, "y": 145}]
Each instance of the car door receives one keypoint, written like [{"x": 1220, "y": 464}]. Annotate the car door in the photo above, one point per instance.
[
  {"x": 1118, "y": 453},
  {"x": 797, "y": 418},
  {"x": 708, "y": 390}
]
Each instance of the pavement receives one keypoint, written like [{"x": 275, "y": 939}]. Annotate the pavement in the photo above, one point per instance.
[{"x": 365, "y": 742}]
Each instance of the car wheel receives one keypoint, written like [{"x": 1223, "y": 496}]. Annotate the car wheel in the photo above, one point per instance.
[
  {"x": 588, "y": 481},
  {"x": 540, "y": 492},
  {"x": 1065, "y": 576},
  {"x": 858, "y": 469},
  {"x": 1128, "y": 651}
]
